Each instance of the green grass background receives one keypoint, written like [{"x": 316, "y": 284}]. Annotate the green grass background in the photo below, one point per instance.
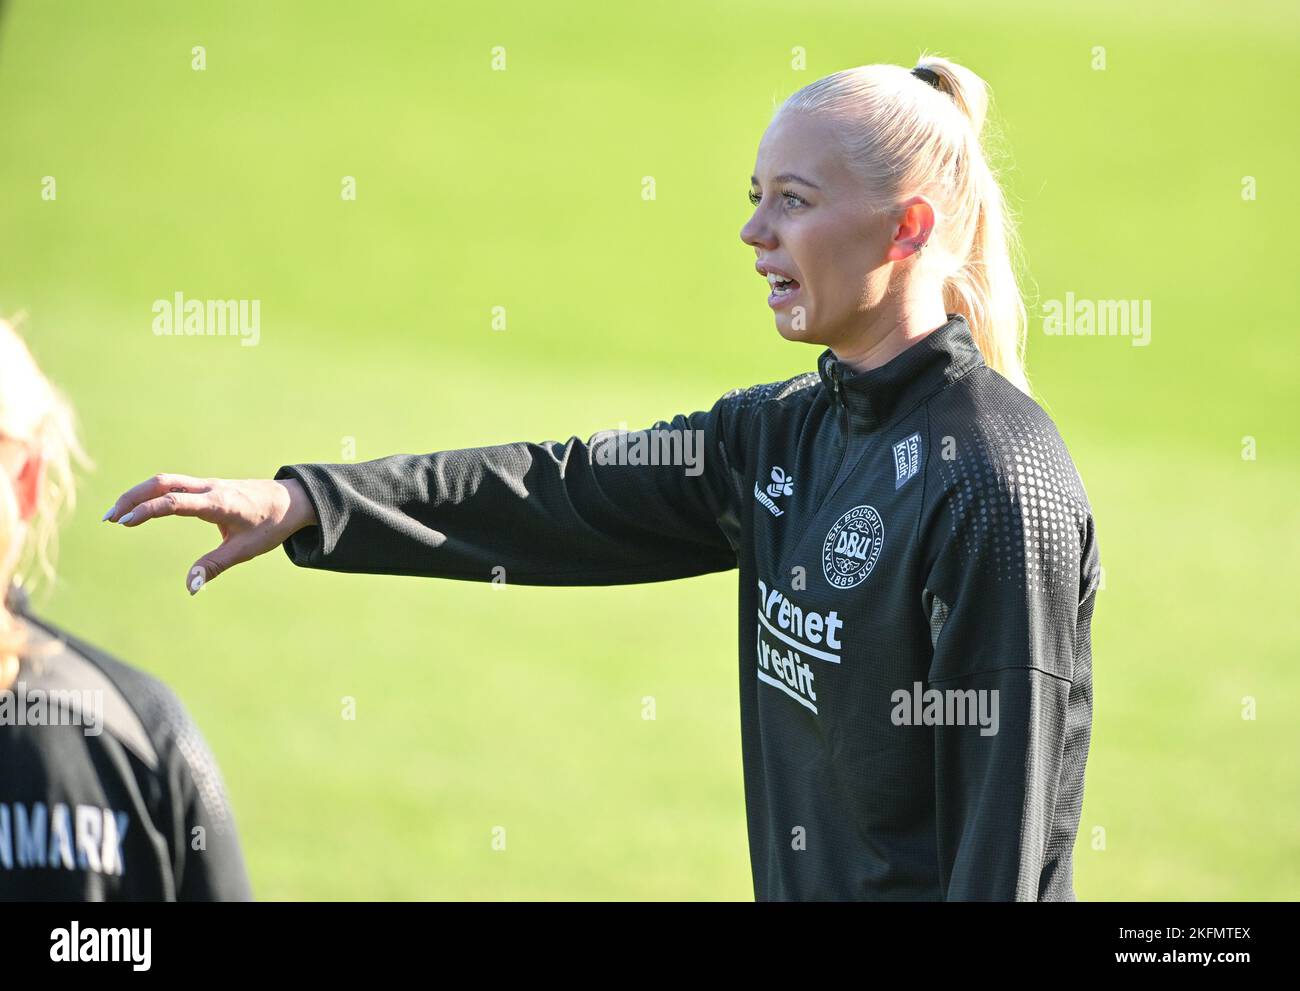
[{"x": 521, "y": 708}]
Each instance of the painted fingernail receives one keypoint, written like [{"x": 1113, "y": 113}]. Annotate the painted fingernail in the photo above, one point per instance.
[
  {"x": 196, "y": 580},
  {"x": 127, "y": 518},
  {"x": 110, "y": 512}
]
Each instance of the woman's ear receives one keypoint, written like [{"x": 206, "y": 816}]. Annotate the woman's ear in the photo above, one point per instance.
[
  {"x": 913, "y": 228},
  {"x": 28, "y": 483}
]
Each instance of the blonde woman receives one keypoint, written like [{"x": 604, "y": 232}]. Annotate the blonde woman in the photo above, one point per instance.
[
  {"x": 107, "y": 790},
  {"x": 916, "y": 552}
]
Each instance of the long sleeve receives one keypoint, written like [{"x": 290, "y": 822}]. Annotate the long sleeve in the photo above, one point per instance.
[
  {"x": 207, "y": 859},
  {"x": 1009, "y": 597},
  {"x": 619, "y": 508}
]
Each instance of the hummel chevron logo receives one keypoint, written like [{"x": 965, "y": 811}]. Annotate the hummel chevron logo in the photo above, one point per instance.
[{"x": 781, "y": 485}]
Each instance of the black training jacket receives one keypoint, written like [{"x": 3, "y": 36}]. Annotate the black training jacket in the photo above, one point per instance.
[
  {"x": 107, "y": 790},
  {"x": 917, "y": 570}
]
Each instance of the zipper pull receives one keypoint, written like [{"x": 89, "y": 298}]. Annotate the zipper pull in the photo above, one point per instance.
[{"x": 835, "y": 381}]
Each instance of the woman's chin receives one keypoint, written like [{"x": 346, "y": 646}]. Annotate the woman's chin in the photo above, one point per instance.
[{"x": 795, "y": 328}]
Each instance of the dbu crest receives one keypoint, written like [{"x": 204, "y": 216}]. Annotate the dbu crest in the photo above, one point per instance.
[{"x": 852, "y": 547}]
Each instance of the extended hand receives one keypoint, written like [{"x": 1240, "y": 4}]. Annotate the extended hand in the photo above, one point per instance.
[{"x": 253, "y": 515}]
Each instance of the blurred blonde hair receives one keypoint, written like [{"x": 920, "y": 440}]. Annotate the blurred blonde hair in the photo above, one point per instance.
[
  {"x": 904, "y": 137},
  {"x": 35, "y": 413}
]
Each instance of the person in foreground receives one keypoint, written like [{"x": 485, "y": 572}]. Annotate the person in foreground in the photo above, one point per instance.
[
  {"x": 107, "y": 790},
  {"x": 917, "y": 555}
]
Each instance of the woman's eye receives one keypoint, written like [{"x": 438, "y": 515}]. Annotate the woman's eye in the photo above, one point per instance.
[{"x": 791, "y": 199}]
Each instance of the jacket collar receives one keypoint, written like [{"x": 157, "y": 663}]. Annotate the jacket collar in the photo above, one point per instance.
[{"x": 877, "y": 396}]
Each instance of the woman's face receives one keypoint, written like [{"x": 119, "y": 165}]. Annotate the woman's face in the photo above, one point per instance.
[{"x": 812, "y": 223}]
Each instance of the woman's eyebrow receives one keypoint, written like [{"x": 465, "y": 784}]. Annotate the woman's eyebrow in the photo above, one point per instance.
[{"x": 788, "y": 177}]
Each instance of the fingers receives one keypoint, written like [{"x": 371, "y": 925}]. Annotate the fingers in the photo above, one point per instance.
[
  {"x": 206, "y": 506},
  {"x": 151, "y": 488},
  {"x": 235, "y": 507},
  {"x": 236, "y": 550}
]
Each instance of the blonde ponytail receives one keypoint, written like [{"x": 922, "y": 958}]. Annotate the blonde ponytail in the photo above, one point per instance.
[
  {"x": 907, "y": 136},
  {"x": 33, "y": 412},
  {"x": 985, "y": 289}
]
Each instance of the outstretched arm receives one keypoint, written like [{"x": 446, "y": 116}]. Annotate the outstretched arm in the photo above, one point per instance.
[{"x": 619, "y": 507}]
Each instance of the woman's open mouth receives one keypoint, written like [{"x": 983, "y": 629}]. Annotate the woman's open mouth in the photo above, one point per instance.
[{"x": 783, "y": 290}]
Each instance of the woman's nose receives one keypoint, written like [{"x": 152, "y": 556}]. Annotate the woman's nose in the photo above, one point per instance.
[{"x": 756, "y": 234}]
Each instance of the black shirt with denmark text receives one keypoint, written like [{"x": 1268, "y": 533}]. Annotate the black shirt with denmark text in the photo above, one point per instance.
[{"x": 108, "y": 791}]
